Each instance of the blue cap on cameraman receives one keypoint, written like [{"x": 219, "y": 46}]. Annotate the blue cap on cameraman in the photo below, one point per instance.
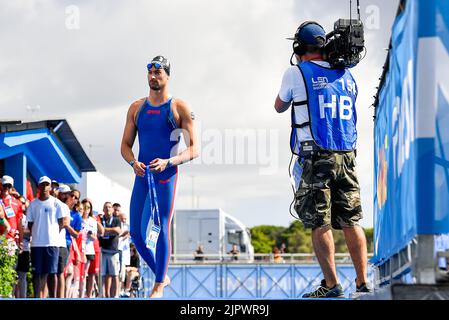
[{"x": 310, "y": 33}]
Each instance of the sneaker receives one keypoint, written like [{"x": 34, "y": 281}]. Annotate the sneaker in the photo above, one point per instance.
[
  {"x": 324, "y": 292},
  {"x": 363, "y": 288}
]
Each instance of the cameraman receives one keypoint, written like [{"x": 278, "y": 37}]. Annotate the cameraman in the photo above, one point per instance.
[{"x": 324, "y": 139}]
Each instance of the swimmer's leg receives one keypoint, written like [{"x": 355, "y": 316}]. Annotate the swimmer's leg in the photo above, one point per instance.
[{"x": 139, "y": 218}]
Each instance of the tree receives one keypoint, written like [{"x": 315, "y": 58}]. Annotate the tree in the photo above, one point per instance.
[
  {"x": 263, "y": 238},
  {"x": 297, "y": 238}
]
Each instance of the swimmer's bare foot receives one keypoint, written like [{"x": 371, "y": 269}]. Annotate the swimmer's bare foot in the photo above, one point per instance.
[
  {"x": 158, "y": 290},
  {"x": 167, "y": 281}
]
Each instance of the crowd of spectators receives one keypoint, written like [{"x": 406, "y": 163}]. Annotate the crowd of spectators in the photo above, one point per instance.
[{"x": 65, "y": 244}]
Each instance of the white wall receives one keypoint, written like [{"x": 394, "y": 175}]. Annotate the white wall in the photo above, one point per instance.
[{"x": 100, "y": 189}]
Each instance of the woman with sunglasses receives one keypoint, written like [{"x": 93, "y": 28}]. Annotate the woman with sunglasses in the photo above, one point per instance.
[{"x": 159, "y": 119}]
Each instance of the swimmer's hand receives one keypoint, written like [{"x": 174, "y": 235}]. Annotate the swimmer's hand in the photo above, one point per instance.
[
  {"x": 139, "y": 168},
  {"x": 158, "y": 165}
]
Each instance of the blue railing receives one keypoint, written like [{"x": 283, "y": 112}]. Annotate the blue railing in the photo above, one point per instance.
[{"x": 244, "y": 281}]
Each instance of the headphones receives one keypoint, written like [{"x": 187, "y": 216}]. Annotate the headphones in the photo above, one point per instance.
[{"x": 299, "y": 47}]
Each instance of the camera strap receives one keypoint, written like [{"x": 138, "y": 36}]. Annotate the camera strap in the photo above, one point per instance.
[{"x": 304, "y": 124}]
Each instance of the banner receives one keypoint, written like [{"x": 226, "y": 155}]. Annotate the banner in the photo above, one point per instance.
[{"x": 411, "y": 147}]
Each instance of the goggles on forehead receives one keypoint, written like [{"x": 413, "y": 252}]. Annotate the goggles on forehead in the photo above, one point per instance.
[{"x": 156, "y": 65}]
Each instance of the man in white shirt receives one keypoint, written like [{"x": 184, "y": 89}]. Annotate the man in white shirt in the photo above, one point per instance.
[{"x": 45, "y": 220}]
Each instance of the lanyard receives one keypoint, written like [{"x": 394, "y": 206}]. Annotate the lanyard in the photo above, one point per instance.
[
  {"x": 153, "y": 197},
  {"x": 109, "y": 223}
]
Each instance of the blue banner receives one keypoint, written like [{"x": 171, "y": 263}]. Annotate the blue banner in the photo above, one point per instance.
[{"x": 411, "y": 131}]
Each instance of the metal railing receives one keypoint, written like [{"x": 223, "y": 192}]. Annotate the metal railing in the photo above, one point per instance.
[{"x": 262, "y": 258}]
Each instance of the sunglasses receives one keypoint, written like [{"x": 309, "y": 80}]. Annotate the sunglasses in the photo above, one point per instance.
[
  {"x": 74, "y": 196},
  {"x": 87, "y": 207}
]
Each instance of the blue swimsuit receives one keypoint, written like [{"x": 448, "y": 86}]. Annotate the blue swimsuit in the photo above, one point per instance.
[{"x": 155, "y": 126}]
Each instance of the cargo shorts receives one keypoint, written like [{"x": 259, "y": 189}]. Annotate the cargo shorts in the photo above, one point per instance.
[{"x": 329, "y": 192}]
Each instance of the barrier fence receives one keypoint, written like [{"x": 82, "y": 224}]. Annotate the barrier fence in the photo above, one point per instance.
[{"x": 244, "y": 280}]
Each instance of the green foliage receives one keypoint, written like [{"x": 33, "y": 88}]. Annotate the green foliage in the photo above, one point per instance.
[
  {"x": 30, "y": 289},
  {"x": 263, "y": 238},
  {"x": 340, "y": 242},
  {"x": 8, "y": 260},
  {"x": 297, "y": 238}
]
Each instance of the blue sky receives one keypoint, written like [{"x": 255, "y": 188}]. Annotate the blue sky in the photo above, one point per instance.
[{"x": 85, "y": 61}]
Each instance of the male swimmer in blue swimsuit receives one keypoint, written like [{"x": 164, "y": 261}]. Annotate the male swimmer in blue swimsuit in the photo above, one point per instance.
[{"x": 158, "y": 119}]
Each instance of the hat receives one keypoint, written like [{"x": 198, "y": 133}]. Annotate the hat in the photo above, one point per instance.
[
  {"x": 63, "y": 188},
  {"x": 8, "y": 180},
  {"x": 44, "y": 179}
]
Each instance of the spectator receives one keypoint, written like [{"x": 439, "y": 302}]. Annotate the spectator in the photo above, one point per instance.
[
  {"x": 45, "y": 220},
  {"x": 89, "y": 231},
  {"x": 124, "y": 249},
  {"x": 12, "y": 208},
  {"x": 23, "y": 260},
  {"x": 117, "y": 209},
  {"x": 110, "y": 263},
  {"x": 63, "y": 195},
  {"x": 54, "y": 188},
  {"x": 234, "y": 252},
  {"x": 74, "y": 227},
  {"x": 72, "y": 271},
  {"x": 277, "y": 258},
  {"x": 76, "y": 194},
  {"x": 199, "y": 253},
  {"x": 94, "y": 265},
  {"x": 81, "y": 244},
  {"x": 283, "y": 248},
  {"x": 132, "y": 270},
  {"x": 13, "y": 192}
]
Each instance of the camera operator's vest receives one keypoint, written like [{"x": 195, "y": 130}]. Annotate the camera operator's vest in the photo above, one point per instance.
[{"x": 331, "y": 96}]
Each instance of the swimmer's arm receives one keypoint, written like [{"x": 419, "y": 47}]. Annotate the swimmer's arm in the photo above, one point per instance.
[
  {"x": 189, "y": 133},
  {"x": 129, "y": 136}
]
